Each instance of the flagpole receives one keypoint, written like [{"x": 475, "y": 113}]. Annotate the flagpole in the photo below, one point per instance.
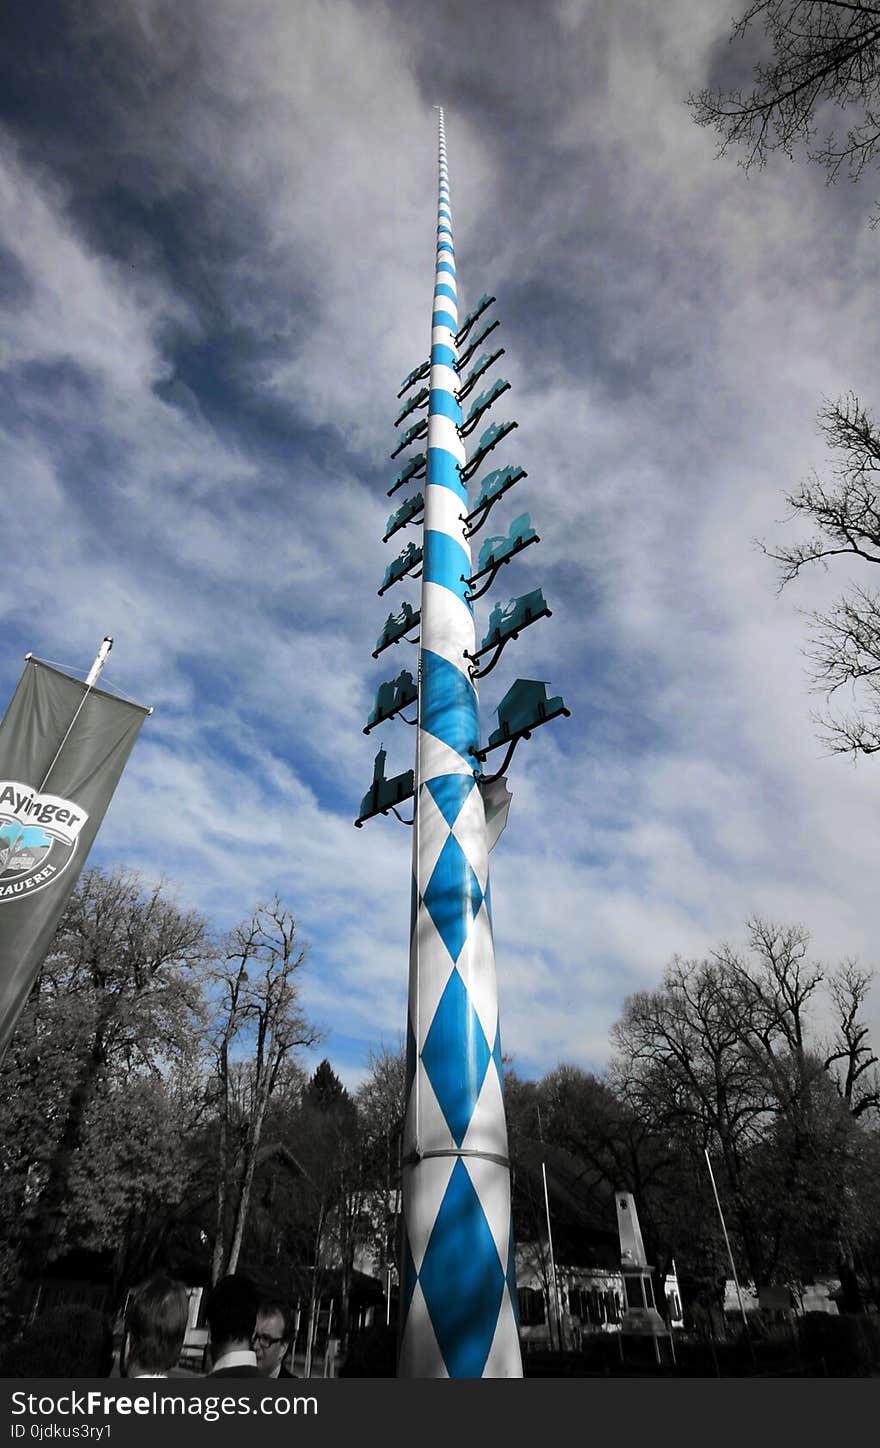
[
  {"x": 100, "y": 660},
  {"x": 727, "y": 1242},
  {"x": 458, "y": 1272},
  {"x": 554, "y": 1278},
  {"x": 91, "y": 679}
]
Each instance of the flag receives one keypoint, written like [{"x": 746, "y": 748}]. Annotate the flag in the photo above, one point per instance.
[
  {"x": 496, "y": 798},
  {"x": 63, "y": 748}
]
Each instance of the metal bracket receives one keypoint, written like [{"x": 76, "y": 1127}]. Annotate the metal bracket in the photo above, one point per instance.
[
  {"x": 524, "y": 708},
  {"x": 479, "y": 371},
  {"x": 412, "y": 570},
  {"x": 499, "y": 647},
  {"x": 484, "y": 402},
  {"x": 415, "y": 376},
  {"x": 482, "y": 306},
  {"x": 403, "y": 635},
  {"x": 418, "y": 429},
  {"x": 529, "y": 618},
  {"x": 507, "y": 477},
  {"x": 414, "y": 469},
  {"x": 493, "y": 569},
  {"x": 481, "y": 754},
  {"x": 498, "y": 431},
  {"x": 478, "y": 341}
]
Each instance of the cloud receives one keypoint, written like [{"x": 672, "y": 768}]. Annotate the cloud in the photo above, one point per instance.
[{"x": 219, "y": 271}]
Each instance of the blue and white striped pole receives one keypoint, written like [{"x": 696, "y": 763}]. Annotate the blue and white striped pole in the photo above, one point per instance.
[{"x": 458, "y": 1278}]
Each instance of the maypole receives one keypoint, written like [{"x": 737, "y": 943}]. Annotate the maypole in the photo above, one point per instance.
[
  {"x": 458, "y": 1315},
  {"x": 458, "y": 1284}
]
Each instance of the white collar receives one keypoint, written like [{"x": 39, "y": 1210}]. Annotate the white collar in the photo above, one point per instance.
[{"x": 240, "y": 1358}]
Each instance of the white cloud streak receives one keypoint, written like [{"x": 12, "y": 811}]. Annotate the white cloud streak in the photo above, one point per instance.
[{"x": 672, "y": 327}]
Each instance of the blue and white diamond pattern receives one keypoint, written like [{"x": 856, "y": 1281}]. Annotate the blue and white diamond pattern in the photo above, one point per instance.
[{"x": 458, "y": 1283}]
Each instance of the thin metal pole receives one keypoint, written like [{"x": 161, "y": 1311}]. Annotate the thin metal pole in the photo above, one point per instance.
[
  {"x": 91, "y": 680},
  {"x": 295, "y": 1337},
  {"x": 314, "y": 1308},
  {"x": 327, "y": 1347},
  {"x": 727, "y": 1242},
  {"x": 554, "y": 1278}
]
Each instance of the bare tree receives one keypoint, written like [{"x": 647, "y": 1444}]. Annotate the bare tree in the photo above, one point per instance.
[
  {"x": 682, "y": 1060},
  {"x": 844, "y": 648},
  {"x": 623, "y": 1149},
  {"x": 724, "y": 1057},
  {"x": 850, "y": 1060},
  {"x": 771, "y": 991},
  {"x": 822, "y": 53},
  {"x": 120, "y": 991},
  {"x": 381, "y": 1103},
  {"x": 258, "y": 1024}
]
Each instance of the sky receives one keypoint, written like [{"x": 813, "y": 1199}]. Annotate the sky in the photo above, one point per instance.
[{"x": 217, "y": 231}]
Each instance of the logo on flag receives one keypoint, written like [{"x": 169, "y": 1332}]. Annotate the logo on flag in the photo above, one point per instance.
[
  {"x": 74, "y": 739},
  {"x": 38, "y": 835}
]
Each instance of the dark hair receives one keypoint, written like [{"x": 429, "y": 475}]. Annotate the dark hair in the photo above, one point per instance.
[
  {"x": 65, "y": 1342},
  {"x": 232, "y": 1310},
  {"x": 270, "y": 1305},
  {"x": 155, "y": 1320}
]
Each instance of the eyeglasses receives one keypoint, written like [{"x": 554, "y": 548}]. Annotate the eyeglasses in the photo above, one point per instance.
[{"x": 262, "y": 1339}]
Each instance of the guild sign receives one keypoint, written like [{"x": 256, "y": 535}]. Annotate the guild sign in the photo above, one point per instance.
[{"x": 38, "y": 834}]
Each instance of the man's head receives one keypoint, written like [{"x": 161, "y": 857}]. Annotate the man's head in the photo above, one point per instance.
[
  {"x": 232, "y": 1314},
  {"x": 272, "y": 1336},
  {"x": 155, "y": 1326}
]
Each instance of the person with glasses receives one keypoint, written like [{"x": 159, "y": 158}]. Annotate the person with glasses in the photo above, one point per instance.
[{"x": 272, "y": 1337}]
